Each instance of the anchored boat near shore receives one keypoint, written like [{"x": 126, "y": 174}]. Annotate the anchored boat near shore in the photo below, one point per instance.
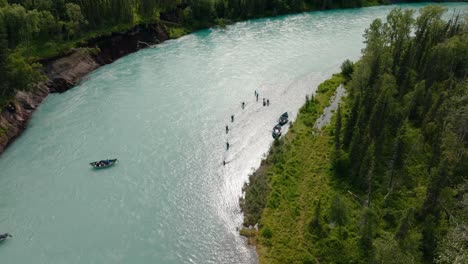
[
  {"x": 276, "y": 131},
  {"x": 283, "y": 120}
]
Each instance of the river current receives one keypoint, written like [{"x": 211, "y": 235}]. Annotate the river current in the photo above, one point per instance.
[{"x": 162, "y": 112}]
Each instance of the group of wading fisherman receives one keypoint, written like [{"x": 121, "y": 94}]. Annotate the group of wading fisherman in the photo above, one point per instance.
[{"x": 266, "y": 102}]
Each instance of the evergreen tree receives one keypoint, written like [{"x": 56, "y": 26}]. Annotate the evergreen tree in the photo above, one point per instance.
[
  {"x": 338, "y": 130},
  {"x": 339, "y": 211},
  {"x": 367, "y": 233},
  {"x": 4, "y": 83}
]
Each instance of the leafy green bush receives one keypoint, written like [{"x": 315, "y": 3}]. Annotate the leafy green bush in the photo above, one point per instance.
[
  {"x": 266, "y": 232},
  {"x": 347, "y": 68},
  {"x": 176, "y": 32}
]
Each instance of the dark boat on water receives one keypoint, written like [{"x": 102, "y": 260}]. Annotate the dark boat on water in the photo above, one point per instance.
[
  {"x": 283, "y": 120},
  {"x": 276, "y": 131},
  {"x": 103, "y": 163},
  {"x": 3, "y": 237}
]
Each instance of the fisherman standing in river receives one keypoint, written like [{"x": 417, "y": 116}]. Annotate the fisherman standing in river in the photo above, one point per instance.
[
  {"x": 268, "y": 102},
  {"x": 232, "y": 118},
  {"x": 264, "y": 102},
  {"x": 243, "y": 105},
  {"x": 227, "y": 129},
  {"x": 227, "y": 145}
]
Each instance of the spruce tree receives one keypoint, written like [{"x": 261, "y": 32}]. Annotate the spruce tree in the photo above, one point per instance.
[{"x": 4, "y": 82}]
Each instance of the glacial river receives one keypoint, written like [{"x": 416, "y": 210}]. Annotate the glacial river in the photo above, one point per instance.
[{"x": 162, "y": 112}]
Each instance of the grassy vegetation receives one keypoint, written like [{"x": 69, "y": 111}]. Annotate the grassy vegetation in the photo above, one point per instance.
[
  {"x": 290, "y": 183},
  {"x": 327, "y": 88},
  {"x": 297, "y": 188},
  {"x": 177, "y": 32}
]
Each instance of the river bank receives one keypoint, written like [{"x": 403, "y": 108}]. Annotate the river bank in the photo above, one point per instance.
[
  {"x": 64, "y": 72},
  {"x": 314, "y": 116}
]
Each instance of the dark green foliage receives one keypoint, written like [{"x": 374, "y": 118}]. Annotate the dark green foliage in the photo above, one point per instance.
[
  {"x": 351, "y": 121},
  {"x": 338, "y": 130},
  {"x": 266, "y": 232},
  {"x": 4, "y": 85},
  {"x": 401, "y": 128},
  {"x": 347, "y": 68},
  {"x": 15, "y": 71},
  {"x": 316, "y": 226},
  {"x": 340, "y": 164},
  {"x": 339, "y": 211},
  {"x": 367, "y": 232},
  {"x": 255, "y": 198},
  {"x": 315, "y": 223},
  {"x": 405, "y": 226}
]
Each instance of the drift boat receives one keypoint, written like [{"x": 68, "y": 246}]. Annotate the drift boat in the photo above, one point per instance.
[
  {"x": 276, "y": 131},
  {"x": 103, "y": 163},
  {"x": 3, "y": 237},
  {"x": 283, "y": 120}
]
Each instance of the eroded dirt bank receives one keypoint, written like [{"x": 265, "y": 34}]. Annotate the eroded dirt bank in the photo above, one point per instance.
[{"x": 64, "y": 72}]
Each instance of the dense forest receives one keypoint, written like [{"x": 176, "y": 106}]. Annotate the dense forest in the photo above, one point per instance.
[
  {"x": 392, "y": 185},
  {"x": 35, "y": 29},
  {"x": 407, "y": 129}
]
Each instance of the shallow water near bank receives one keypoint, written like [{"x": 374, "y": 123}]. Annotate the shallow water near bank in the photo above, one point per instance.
[{"x": 162, "y": 112}]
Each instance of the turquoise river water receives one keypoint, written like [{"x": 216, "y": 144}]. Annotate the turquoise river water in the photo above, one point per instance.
[{"x": 162, "y": 112}]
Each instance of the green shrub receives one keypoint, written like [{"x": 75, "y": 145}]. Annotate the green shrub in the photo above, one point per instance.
[
  {"x": 176, "y": 32},
  {"x": 347, "y": 68},
  {"x": 266, "y": 233},
  {"x": 247, "y": 232}
]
